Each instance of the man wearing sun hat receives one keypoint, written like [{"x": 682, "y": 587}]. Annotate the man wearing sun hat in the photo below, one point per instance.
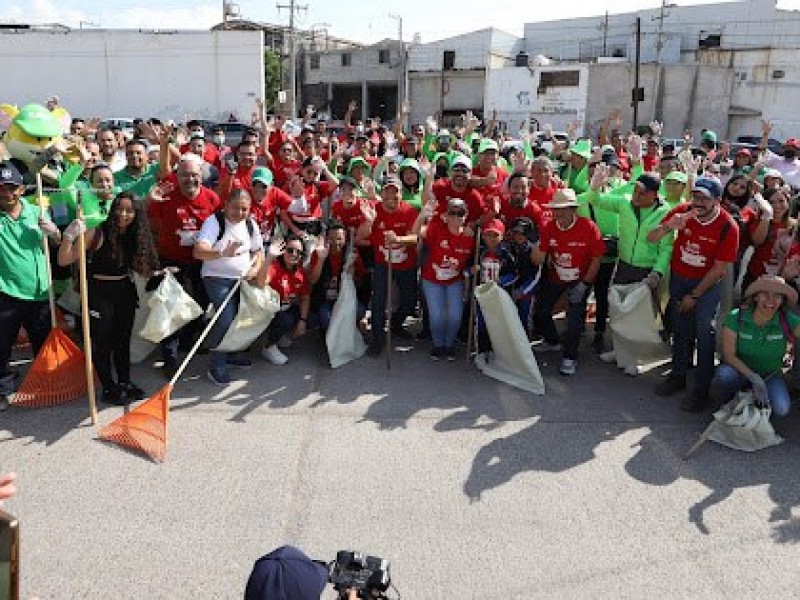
[
  {"x": 755, "y": 337},
  {"x": 575, "y": 247},
  {"x": 706, "y": 242}
]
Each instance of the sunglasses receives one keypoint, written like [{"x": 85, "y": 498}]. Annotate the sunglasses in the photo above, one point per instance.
[
  {"x": 293, "y": 251},
  {"x": 456, "y": 213},
  {"x": 460, "y": 170}
]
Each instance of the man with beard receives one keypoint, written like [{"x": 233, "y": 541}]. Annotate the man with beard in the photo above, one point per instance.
[
  {"x": 138, "y": 176},
  {"x": 457, "y": 186},
  {"x": 707, "y": 240},
  {"x": 543, "y": 186},
  {"x": 517, "y": 203},
  {"x": 787, "y": 165},
  {"x": 243, "y": 176}
]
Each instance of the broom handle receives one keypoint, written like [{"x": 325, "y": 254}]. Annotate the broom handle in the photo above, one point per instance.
[
  {"x": 471, "y": 283},
  {"x": 46, "y": 247},
  {"x": 87, "y": 338},
  {"x": 211, "y": 323}
]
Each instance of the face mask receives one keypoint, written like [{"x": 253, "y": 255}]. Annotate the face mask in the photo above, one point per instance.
[{"x": 219, "y": 140}]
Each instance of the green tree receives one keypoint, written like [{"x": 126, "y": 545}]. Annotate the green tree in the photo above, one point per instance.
[{"x": 272, "y": 77}]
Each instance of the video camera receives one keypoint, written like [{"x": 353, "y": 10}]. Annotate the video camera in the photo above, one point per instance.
[{"x": 368, "y": 575}]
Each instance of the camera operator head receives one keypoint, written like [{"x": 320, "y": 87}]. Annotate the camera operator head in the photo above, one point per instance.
[{"x": 286, "y": 573}]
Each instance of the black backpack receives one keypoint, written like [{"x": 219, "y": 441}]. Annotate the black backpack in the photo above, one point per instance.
[{"x": 220, "y": 216}]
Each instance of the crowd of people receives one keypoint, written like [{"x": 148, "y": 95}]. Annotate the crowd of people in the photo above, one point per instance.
[{"x": 554, "y": 223}]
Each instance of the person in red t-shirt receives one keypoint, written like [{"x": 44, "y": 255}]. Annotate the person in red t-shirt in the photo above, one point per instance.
[
  {"x": 266, "y": 200},
  {"x": 706, "y": 243},
  {"x": 651, "y": 157},
  {"x": 451, "y": 247},
  {"x": 210, "y": 151},
  {"x": 517, "y": 203},
  {"x": 283, "y": 271},
  {"x": 325, "y": 275},
  {"x": 176, "y": 215},
  {"x": 574, "y": 246},
  {"x": 457, "y": 186},
  {"x": 770, "y": 234},
  {"x": 543, "y": 186},
  {"x": 348, "y": 209},
  {"x": 487, "y": 177},
  {"x": 286, "y": 163},
  {"x": 389, "y": 227},
  {"x": 243, "y": 177}
]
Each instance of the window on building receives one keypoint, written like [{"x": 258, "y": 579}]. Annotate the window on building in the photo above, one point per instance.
[
  {"x": 314, "y": 61},
  {"x": 347, "y": 59},
  {"x": 383, "y": 56},
  {"x": 549, "y": 79},
  {"x": 449, "y": 60}
]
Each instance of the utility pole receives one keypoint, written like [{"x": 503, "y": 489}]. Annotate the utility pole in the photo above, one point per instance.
[
  {"x": 638, "y": 93},
  {"x": 294, "y": 8},
  {"x": 605, "y": 35},
  {"x": 402, "y": 91},
  {"x": 660, "y": 39}
]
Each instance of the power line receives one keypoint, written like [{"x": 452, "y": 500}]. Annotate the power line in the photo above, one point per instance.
[{"x": 293, "y": 9}]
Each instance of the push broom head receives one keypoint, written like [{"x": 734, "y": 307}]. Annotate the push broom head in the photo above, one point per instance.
[
  {"x": 144, "y": 429},
  {"x": 56, "y": 376}
]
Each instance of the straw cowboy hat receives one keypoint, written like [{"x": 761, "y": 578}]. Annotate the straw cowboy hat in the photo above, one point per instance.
[
  {"x": 772, "y": 283},
  {"x": 564, "y": 198}
]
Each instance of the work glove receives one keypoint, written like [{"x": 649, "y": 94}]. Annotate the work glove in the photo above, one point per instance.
[
  {"x": 48, "y": 227},
  {"x": 74, "y": 229},
  {"x": 764, "y": 207},
  {"x": 759, "y": 390},
  {"x": 576, "y": 293},
  {"x": 652, "y": 280}
]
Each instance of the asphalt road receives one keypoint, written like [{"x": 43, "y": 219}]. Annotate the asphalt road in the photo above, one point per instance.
[{"x": 471, "y": 488}]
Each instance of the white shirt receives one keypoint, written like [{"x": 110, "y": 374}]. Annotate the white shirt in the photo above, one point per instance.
[
  {"x": 790, "y": 170},
  {"x": 232, "y": 267}
]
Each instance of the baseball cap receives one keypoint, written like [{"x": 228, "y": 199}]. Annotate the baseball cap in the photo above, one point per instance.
[
  {"x": 487, "y": 145},
  {"x": 462, "y": 161},
  {"x": 710, "y": 187},
  {"x": 743, "y": 152},
  {"x": 9, "y": 175},
  {"x": 197, "y": 135},
  {"x": 650, "y": 182},
  {"x": 773, "y": 173},
  {"x": 709, "y": 136},
  {"x": 610, "y": 159},
  {"x": 392, "y": 181},
  {"x": 348, "y": 180},
  {"x": 522, "y": 225},
  {"x": 262, "y": 175},
  {"x": 286, "y": 573},
  {"x": 443, "y": 133},
  {"x": 456, "y": 204},
  {"x": 792, "y": 142},
  {"x": 495, "y": 226},
  {"x": 677, "y": 176}
]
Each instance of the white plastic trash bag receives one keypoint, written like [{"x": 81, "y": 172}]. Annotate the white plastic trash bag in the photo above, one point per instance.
[
  {"x": 634, "y": 330},
  {"x": 512, "y": 361},
  {"x": 343, "y": 339},
  {"x": 170, "y": 309},
  {"x": 741, "y": 425},
  {"x": 140, "y": 347},
  {"x": 70, "y": 300},
  {"x": 257, "y": 307}
]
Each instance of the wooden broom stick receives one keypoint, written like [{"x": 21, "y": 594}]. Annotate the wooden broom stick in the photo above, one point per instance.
[
  {"x": 43, "y": 204},
  {"x": 87, "y": 338}
]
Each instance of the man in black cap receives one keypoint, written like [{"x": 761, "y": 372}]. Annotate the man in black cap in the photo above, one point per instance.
[
  {"x": 287, "y": 574},
  {"x": 23, "y": 273}
]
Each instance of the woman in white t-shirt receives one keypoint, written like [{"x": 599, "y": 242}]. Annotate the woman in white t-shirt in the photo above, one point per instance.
[{"x": 231, "y": 247}]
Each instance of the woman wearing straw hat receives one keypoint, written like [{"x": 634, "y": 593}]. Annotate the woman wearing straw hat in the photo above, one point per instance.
[{"x": 754, "y": 342}]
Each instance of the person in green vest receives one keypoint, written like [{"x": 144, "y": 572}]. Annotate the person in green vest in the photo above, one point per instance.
[
  {"x": 576, "y": 172},
  {"x": 673, "y": 188},
  {"x": 24, "y": 282}
]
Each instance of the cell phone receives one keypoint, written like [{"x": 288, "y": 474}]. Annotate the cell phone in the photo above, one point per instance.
[{"x": 9, "y": 557}]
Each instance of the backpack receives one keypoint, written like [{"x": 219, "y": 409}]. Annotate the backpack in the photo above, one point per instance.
[{"x": 220, "y": 216}]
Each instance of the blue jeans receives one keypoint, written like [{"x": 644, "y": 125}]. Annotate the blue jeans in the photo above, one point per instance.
[
  {"x": 406, "y": 281},
  {"x": 445, "y": 304},
  {"x": 549, "y": 293},
  {"x": 217, "y": 289},
  {"x": 693, "y": 328},
  {"x": 283, "y": 323},
  {"x": 324, "y": 311},
  {"x": 728, "y": 381}
]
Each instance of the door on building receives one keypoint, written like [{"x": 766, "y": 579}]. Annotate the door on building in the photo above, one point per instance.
[{"x": 382, "y": 102}]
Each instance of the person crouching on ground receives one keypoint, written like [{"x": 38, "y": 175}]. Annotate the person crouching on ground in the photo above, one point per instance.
[
  {"x": 231, "y": 247},
  {"x": 283, "y": 271},
  {"x": 755, "y": 337},
  {"x": 122, "y": 244}
]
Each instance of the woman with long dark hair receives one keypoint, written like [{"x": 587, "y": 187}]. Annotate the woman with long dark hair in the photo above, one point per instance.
[
  {"x": 771, "y": 235},
  {"x": 122, "y": 245}
]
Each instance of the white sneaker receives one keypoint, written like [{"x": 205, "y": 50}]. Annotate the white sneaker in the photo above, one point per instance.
[
  {"x": 634, "y": 370},
  {"x": 545, "y": 347},
  {"x": 285, "y": 342},
  {"x": 608, "y": 357},
  {"x": 274, "y": 355},
  {"x": 568, "y": 366}
]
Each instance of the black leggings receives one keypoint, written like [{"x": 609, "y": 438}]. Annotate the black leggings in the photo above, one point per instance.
[{"x": 112, "y": 306}]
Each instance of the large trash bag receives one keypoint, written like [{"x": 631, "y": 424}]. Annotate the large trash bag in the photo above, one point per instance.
[
  {"x": 140, "y": 347},
  {"x": 635, "y": 332},
  {"x": 512, "y": 360},
  {"x": 343, "y": 339},
  {"x": 741, "y": 425},
  {"x": 170, "y": 309},
  {"x": 257, "y": 307}
]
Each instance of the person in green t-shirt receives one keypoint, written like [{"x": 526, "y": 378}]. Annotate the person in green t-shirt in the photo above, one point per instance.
[
  {"x": 139, "y": 176},
  {"x": 24, "y": 281},
  {"x": 755, "y": 338}
]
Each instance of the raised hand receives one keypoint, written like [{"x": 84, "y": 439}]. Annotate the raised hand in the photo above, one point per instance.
[
  {"x": 159, "y": 193},
  {"x": 599, "y": 177},
  {"x": 276, "y": 248},
  {"x": 428, "y": 208},
  {"x": 369, "y": 189},
  {"x": 231, "y": 249},
  {"x": 656, "y": 128},
  {"x": 679, "y": 220},
  {"x": 322, "y": 249},
  {"x": 368, "y": 211},
  {"x": 74, "y": 230},
  {"x": 766, "y": 127},
  {"x": 635, "y": 147},
  {"x": 427, "y": 169},
  {"x": 352, "y": 106}
]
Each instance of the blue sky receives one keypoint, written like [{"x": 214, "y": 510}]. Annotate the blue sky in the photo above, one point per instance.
[{"x": 361, "y": 20}]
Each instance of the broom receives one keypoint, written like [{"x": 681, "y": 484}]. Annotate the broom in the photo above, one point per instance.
[
  {"x": 56, "y": 375},
  {"x": 87, "y": 336},
  {"x": 145, "y": 428}
]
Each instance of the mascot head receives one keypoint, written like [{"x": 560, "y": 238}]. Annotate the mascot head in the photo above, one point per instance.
[{"x": 32, "y": 130}]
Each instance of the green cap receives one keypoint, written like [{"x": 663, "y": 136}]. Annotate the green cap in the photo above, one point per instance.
[
  {"x": 357, "y": 161},
  {"x": 709, "y": 136},
  {"x": 582, "y": 148},
  {"x": 262, "y": 175},
  {"x": 486, "y": 145},
  {"x": 677, "y": 176},
  {"x": 37, "y": 121},
  {"x": 348, "y": 180}
]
